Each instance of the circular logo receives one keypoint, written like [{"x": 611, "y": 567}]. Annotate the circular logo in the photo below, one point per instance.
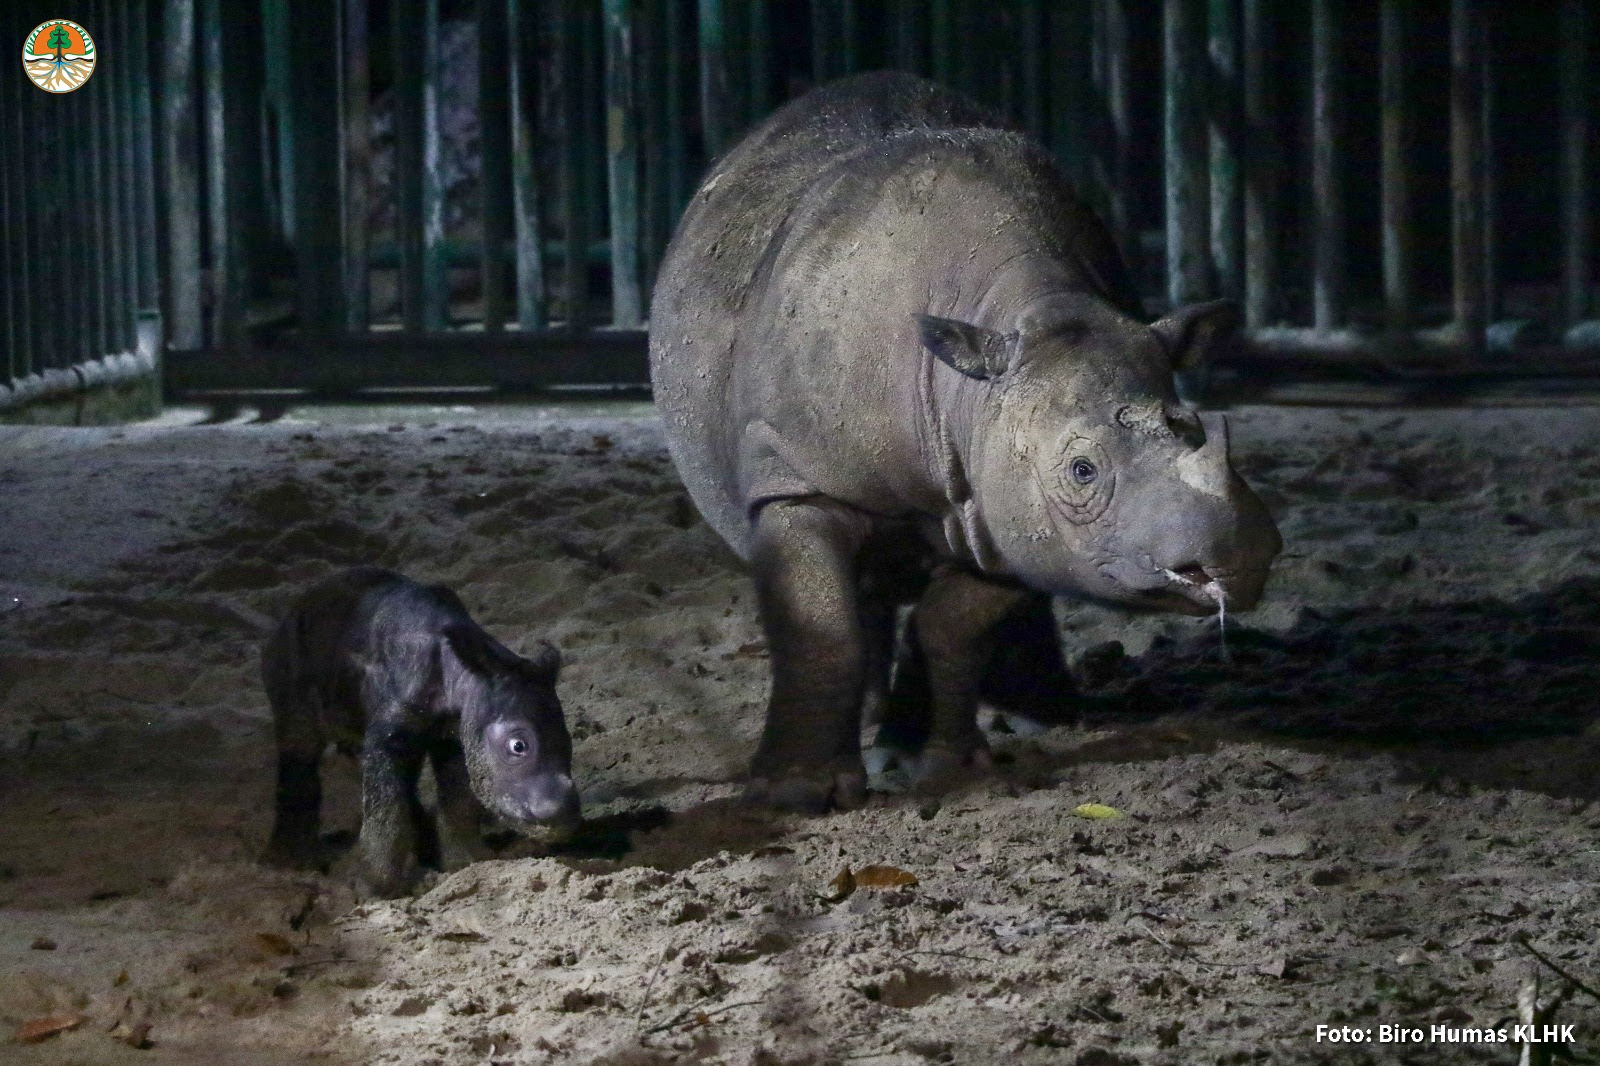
[{"x": 59, "y": 56}]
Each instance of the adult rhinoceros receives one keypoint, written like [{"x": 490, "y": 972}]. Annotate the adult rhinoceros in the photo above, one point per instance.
[{"x": 898, "y": 361}]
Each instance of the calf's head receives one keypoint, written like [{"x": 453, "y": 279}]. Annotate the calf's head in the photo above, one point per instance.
[
  {"x": 1087, "y": 474},
  {"x": 518, "y": 751}
]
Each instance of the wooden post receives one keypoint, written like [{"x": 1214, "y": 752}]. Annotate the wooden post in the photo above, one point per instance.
[
  {"x": 354, "y": 90},
  {"x": 714, "y": 104},
  {"x": 622, "y": 157},
  {"x": 1327, "y": 165},
  {"x": 1395, "y": 177},
  {"x": 1225, "y": 133},
  {"x": 1261, "y": 169},
  {"x": 314, "y": 113},
  {"x": 496, "y": 190},
  {"x": 405, "y": 18},
  {"x": 1466, "y": 175},
  {"x": 1187, "y": 196},
  {"x": 180, "y": 130},
  {"x": 435, "y": 267},
  {"x": 523, "y": 85},
  {"x": 1576, "y": 223}
]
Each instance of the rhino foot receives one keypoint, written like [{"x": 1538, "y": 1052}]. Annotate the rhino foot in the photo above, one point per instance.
[
  {"x": 942, "y": 765},
  {"x": 811, "y": 791}
]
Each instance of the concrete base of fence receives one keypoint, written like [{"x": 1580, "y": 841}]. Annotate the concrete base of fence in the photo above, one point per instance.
[{"x": 122, "y": 387}]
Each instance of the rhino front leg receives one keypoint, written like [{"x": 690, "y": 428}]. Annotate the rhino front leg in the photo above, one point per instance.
[
  {"x": 461, "y": 816},
  {"x": 395, "y": 829},
  {"x": 804, "y": 563},
  {"x": 957, "y": 621}
]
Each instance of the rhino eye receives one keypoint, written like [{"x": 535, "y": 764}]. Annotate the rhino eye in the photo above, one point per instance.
[
  {"x": 517, "y": 747},
  {"x": 1083, "y": 471}
]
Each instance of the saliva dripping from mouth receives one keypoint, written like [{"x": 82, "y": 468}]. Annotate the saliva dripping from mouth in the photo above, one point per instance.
[{"x": 1213, "y": 589}]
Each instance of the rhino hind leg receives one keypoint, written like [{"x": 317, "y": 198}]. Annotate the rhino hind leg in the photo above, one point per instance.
[{"x": 804, "y": 566}]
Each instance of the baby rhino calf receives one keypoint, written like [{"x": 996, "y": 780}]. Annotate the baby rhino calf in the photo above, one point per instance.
[{"x": 378, "y": 663}]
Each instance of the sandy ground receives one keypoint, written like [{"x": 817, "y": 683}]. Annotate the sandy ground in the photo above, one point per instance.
[{"x": 1373, "y": 811}]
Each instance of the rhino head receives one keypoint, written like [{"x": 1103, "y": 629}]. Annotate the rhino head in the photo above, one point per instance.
[{"x": 1087, "y": 473}]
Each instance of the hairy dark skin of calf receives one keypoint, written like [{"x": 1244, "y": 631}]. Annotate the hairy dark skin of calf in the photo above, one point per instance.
[{"x": 400, "y": 673}]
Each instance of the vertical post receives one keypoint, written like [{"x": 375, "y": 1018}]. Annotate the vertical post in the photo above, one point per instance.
[
  {"x": 942, "y": 16},
  {"x": 568, "y": 48},
  {"x": 226, "y": 50},
  {"x": 523, "y": 82},
  {"x": 118, "y": 104},
  {"x": 824, "y": 42},
  {"x": 435, "y": 267},
  {"x": 653, "y": 205},
  {"x": 14, "y": 222},
  {"x": 1466, "y": 175},
  {"x": 1112, "y": 59},
  {"x": 314, "y": 114},
  {"x": 1327, "y": 162},
  {"x": 1491, "y": 288},
  {"x": 39, "y": 250},
  {"x": 593, "y": 139},
  {"x": 354, "y": 91},
  {"x": 495, "y": 184},
  {"x": 849, "y": 30},
  {"x": 714, "y": 104},
  {"x": 622, "y": 157},
  {"x": 405, "y": 18},
  {"x": 679, "y": 103},
  {"x": 1073, "y": 124},
  {"x": 760, "y": 49},
  {"x": 1187, "y": 197},
  {"x": 1396, "y": 171},
  {"x": 182, "y": 178},
  {"x": 85, "y": 297},
  {"x": 1261, "y": 170},
  {"x": 100, "y": 215},
  {"x": 144, "y": 185},
  {"x": 1226, "y": 122},
  {"x": 1576, "y": 224},
  {"x": 907, "y": 34},
  {"x": 1031, "y": 19}
]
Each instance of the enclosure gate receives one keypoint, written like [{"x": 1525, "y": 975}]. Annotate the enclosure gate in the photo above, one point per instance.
[{"x": 291, "y": 132}]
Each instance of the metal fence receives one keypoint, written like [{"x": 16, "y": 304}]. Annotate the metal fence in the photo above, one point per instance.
[
  {"x": 1340, "y": 166},
  {"x": 78, "y": 272}
]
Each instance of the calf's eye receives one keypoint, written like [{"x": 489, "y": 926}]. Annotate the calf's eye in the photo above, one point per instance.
[
  {"x": 517, "y": 746},
  {"x": 1083, "y": 471}
]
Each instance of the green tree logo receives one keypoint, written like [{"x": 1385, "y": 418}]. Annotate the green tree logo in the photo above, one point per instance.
[{"x": 59, "y": 56}]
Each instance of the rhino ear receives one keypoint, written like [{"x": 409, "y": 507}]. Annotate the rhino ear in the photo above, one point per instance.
[
  {"x": 544, "y": 661},
  {"x": 470, "y": 648},
  {"x": 973, "y": 350},
  {"x": 1190, "y": 333}
]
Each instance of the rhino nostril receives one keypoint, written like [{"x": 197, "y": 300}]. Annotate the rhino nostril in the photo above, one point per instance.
[{"x": 1192, "y": 572}]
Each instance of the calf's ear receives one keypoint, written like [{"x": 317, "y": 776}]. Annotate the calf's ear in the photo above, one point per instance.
[
  {"x": 1191, "y": 333},
  {"x": 471, "y": 648},
  {"x": 543, "y": 661},
  {"x": 976, "y": 351}
]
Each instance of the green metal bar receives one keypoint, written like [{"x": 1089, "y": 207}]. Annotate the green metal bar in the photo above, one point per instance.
[
  {"x": 592, "y": 97},
  {"x": 1031, "y": 64},
  {"x": 759, "y": 45},
  {"x": 125, "y": 181},
  {"x": 222, "y": 65},
  {"x": 655, "y": 206},
  {"x": 908, "y": 31},
  {"x": 98, "y": 215},
  {"x": 1225, "y": 113},
  {"x": 568, "y": 49},
  {"x": 40, "y": 253},
  {"x": 435, "y": 274},
  {"x": 84, "y": 206},
  {"x": 1069, "y": 67},
  {"x": 313, "y": 32},
  {"x": 522, "y": 85},
  {"x": 1261, "y": 169},
  {"x": 1395, "y": 170},
  {"x": 1188, "y": 250},
  {"x": 355, "y": 92},
  {"x": 622, "y": 156},
  {"x": 1576, "y": 218},
  {"x": 405, "y": 16},
  {"x": 182, "y": 177},
  {"x": 495, "y": 182},
  {"x": 714, "y": 103},
  {"x": 1466, "y": 174},
  {"x": 1328, "y": 288},
  {"x": 943, "y": 42},
  {"x": 278, "y": 97},
  {"x": 148, "y": 282},
  {"x": 14, "y": 266},
  {"x": 679, "y": 97}
]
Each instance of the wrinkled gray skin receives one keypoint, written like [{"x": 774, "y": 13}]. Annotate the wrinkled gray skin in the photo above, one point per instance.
[
  {"x": 898, "y": 362},
  {"x": 375, "y": 662}
]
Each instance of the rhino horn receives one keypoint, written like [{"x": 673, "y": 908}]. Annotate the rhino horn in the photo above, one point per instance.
[{"x": 1206, "y": 469}]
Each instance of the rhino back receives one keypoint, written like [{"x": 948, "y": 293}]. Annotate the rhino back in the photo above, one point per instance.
[{"x": 786, "y": 297}]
